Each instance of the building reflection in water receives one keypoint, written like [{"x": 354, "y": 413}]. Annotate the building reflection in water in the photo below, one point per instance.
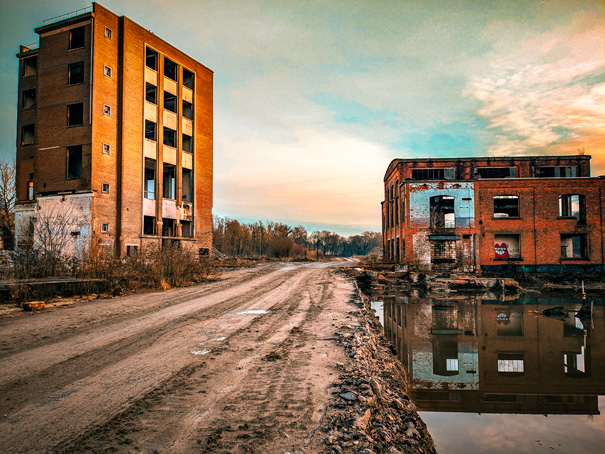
[{"x": 471, "y": 355}]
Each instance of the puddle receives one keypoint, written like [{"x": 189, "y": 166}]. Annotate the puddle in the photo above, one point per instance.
[
  {"x": 253, "y": 312},
  {"x": 495, "y": 376},
  {"x": 201, "y": 352}
]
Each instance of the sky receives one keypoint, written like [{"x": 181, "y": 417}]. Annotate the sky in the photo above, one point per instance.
[{"x": 313, "y": 99}]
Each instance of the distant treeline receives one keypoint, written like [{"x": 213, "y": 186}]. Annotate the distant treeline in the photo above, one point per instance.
[{"x": 277, "y": 240}]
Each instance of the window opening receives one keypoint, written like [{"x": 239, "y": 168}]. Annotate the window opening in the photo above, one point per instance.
[
  {"x": 106, "y": 148},
  {"x": 442, "y": 212},
  {"x": 151, "y": 59},
  {"x": 169, "y": 102},
  {"x": 105, "y": 227},
  {"x": 30, "y": 66},
  {"x": 188, "y": 78},
  {"x": 74, "y": 162},
  {"x": 30, "y": 190},
  {"x": 169, "y": 181},
  {"x": 170, "y": 69},
  {"x": 187, "y": 110},
  {"x": 149, "y": 225},
  {"x": 496, "y": 172},
  {"x": 187, "y": 229},
  {"x": 443, "y": 251},
  {"x": 149, "y": 179},
  {"x": 108, "y": 33},
  {"x": 168, "y": 227},
  {"x": 509, "y": 322},
  {"x": 105, "y": 188},
  {"x": 507, "y": 246},
  {"x": 506, "y": 206},
  {"x": 28, "y": 135},
  {"x": 107, "y": 71},
  {"x": 29, "y": 99},
  {"x": 511, "y": 363},
  {"x": 76, "y": 38},
  {"x": 187, "y": 143},
  {"x": 151, "y": 93},
  {"x": 187, "y": 195},
  {"x": 150, "y": 130},
  {"x": 75, "y": 73},
  {"x": 573, "y": 206},
  {"x": 106, "y": 110},
  {"x": 170, "y": 137},
  {"x": 557, "y": 172},
  {"x": 573, "y": 246},
  {"x": 434, "y": 174},
  {"x": 132, "y": 250},
  {"x": 75, "y": 114}
]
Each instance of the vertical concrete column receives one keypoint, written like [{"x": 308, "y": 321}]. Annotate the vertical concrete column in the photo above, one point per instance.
[
  {"x": 179, "y": 152},
  {"x": 159, "y": 180}
]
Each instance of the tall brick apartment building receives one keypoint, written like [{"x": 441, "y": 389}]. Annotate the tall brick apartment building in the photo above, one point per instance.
[
  {"x": 114, "y": 137},
  {"x": 539, "y": 213}
]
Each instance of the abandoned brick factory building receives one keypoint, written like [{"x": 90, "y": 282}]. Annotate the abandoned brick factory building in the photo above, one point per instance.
[
  {"x": 536, "y": 213},
  {"x": 114, "y": 137}
]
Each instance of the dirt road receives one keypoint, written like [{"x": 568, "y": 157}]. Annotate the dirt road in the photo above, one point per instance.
[{"x": 238, "y": 365}]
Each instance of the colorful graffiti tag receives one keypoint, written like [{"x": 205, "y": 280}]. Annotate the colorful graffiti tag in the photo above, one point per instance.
[{"x": 501, "y": 251}]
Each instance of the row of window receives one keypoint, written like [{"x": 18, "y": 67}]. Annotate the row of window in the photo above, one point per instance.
[
  {"x": 168, "y": 181},
  {"x": 170, "y": 101},
  {"x": 496, "y": 172},
  {"x": 169, "y": 136},
  {"x": 170, "y": 68}
]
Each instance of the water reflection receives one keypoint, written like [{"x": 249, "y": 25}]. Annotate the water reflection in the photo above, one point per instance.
[{"x": 469, "y": 354}]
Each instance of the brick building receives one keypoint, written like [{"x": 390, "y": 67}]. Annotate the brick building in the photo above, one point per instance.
[
  {"x": 539, "y": 213},
  {"x": 114, "y": 138}
]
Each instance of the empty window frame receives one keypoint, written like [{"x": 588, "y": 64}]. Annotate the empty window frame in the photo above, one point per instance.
[
  {"x": 187, "y": 229},
  {"x": 75, "y": 73},
  {"x": 74, "y": 162},
  {"x": 30, "y": 190},
  {"x": 132, "y": 250},
  {"x": 557, "y": 172},
  {"x": 188, "y": 78},
  {"x": 511, "y": 363},
  {"x": 443, "y": 251},
  {"x": 509, "y": 322},
  {"x": 187, "y": 195},
  {"x": 442, "y": 212},
  {"x": 105, "y": 227},
  {"x": 28, "y": 100},
  {"x": 149, "y": 225},
  {"x": 151, "y": 59},
  {"x": 506, "y": 206},
  {"x": 169, "y": 102},
  {"x": 149, "y": 179},
  {"x": 108, "y": 33},
  {"x": 28, "y": 134},
  {"x": 75, "y": 114},
  {"x": 187, "y": 110},
  {"x": 169, "y": 181},
  {"x": 151, "y": 130},
  {"x": 106, "y": 110},
  {"x": 507, "y": 246},
  {"x": 496, "y": 172},
  {"x": 107, "y": 71},
  {"x": 573, "y": 206},
  {"x": 105, "y": 188},
  {"x": 30, "y": 66},
  {"x": 170, "y": 137},
  {"x": 434, "y": 174},
  {"x": 187, "y": 143},
  {"x": 76, "y": 38},
  {"x": 106, "y": 148},
  {"x": 151, "y": 93},
  {"x": 574, "y": 246},
  {"x": 170, "y": 69}
]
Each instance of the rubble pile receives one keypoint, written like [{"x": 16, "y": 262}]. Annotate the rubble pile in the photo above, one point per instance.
[{"x": 370, "y": 412}]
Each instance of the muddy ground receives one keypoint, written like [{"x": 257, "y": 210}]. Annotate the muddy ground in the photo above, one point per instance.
[{"x": 273, "y": 359}]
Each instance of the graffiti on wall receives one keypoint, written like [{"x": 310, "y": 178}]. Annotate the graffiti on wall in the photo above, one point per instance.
[{"x": 501, "y": 251}]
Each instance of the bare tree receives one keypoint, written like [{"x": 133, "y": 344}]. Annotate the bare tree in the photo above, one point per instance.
[{"x": 7, "y": 204}]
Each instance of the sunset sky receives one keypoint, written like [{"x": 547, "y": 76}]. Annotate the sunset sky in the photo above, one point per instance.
[{"x": 313, "y": 99}]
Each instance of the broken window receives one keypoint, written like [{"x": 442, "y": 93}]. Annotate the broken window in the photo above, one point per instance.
[
  {"x": 573, "y": 206},
  {"x": 150, "y": 130},
  {"x": 507, "y": 246},
  {"x": 511, "y": 363},
  {"x": 30, "y": 66},
  {"x": 170, "y": 137},
  {"x": 132, "y": 250},
  {"x": 188, "y": 78},
  {"x": 442, "y": 212},
  {"x": 149, "y": 225},
  {"x": 29, "y": 99},
  {"x": 187, "y": 143},
  {"x": 443, "y": 251},
  {"x": 30, "y": 190},
  {"x": 187, "y": 186},
  {"x": 75, "y": 73},
  {"x": 105, "y": 227},
  {"x": 573, "y": 246},
  {"x": 149, "y": 178},
  {"x": 28, "y": 135},
  {"x": 151, "y": 59},
  {"x": 187, "y": 229},
  {"x": 496, "y": 172},
  {"x": 169, "y": 102},
  {"x": 187, "y": 110},
  {"x": 75, "y": 114},
  {"x": 74, "y": 162},
  {"x": 168, "y": 227},
  {"x": 509, "y": 322},
  {"x": 76, "y": 38},
  {"x": 169, "y": 181},
  {"x": 108, "y": 33},
  {"x": 506, "y": 206},
  {"x": 445, "y": 358},
  {"x": 557, "y": 172},
  {"x": 151, "y": 92},
  {"x": 170, "y": 69},
  {"x": 574, "y": 364},
  {"x": 434, "y": 174}
]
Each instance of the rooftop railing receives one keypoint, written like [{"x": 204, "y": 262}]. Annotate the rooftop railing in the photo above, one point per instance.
[
  {"x": 30, "y": 47},
  {"x": 68, "y": 15}
]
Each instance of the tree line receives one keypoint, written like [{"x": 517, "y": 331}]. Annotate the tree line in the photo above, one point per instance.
[{"x": 277, "y": 240}]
